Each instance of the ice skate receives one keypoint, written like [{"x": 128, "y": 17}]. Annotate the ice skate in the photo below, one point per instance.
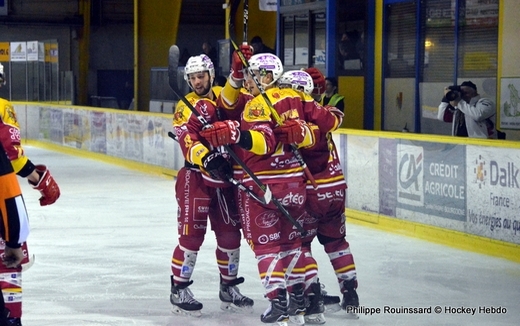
[
  {"x": 14, "y": 322},
  {"x": 331, "y": 302},
  {"x": 350, "y": 299},
  {"x": 315, "y": 308},
  {"x": 276, "y": 313},
  {"x": 183, "y": 301},
  {"x": 11, "y": 321},
  {"x": 232, "y": 299},
  {"x": 296, "y": 309}
]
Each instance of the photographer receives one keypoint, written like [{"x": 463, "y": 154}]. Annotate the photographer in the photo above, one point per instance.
[{"x": 470, "y": 115}]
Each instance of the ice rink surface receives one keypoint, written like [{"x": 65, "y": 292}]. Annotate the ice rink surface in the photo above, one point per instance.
[{"x": 103, "y": 254}]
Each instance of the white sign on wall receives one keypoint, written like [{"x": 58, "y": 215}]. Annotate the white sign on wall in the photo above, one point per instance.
[
  {"x": 510, "y": 103},
  {"x": 493, "y": 193},
  {"x": 268, "y": 5},
  {"x": 18, "y": 51},
  {"x": 32, "y": 51}
]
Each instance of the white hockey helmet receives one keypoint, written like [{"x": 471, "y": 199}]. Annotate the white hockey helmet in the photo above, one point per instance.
[
  {"x": 265, "y": 62},
  {"x": 2, "y": 75},
  {"x": 297, "y": 79},
  {"x": 199, "y": 63}
]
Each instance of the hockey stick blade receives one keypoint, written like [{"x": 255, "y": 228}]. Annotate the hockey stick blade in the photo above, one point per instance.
[
  {"x": 29, "y": 264},
  {"x": 172, "y": 136},
  {"x": 173, "y": 64},
  {"x": 266, "y": 199}
]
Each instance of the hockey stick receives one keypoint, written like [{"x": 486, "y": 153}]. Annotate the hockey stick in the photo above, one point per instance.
[
  {"x": 246, "y": 18},
  {"x": 275, "y": 115},
  {"x": 263, "y": 200},
  {"x": 28, "y": 264},
  {"x": 173, "y": 62}
]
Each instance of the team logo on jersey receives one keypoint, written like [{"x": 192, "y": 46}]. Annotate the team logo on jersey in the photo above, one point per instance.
[
  {"x": 256, "y": 111},
  {"x": 203, "y": 109},
  {"x": 266, "y": 220},
  {"x": 188, "y": 142},
  {"x": 276, "y": 95},
  {"x": 178, "y": 116}
]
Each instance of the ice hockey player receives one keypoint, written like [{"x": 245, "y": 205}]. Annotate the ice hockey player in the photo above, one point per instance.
[
  {"x": 40, "y": 178},
  {"x": 14, "y": 225},
  {"x": 327, "y": 203},
  {"x": 276, "y": 243},
  {"x": 202, "y": 192}
]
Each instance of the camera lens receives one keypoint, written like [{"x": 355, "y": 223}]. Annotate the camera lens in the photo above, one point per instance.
[{"x": 452, "y": 95}]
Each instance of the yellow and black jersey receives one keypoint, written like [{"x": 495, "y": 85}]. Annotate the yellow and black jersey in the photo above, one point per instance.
[{"x": 14, "y": 225}]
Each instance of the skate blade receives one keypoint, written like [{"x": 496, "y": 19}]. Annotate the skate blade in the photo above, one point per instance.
[
  {"x": 315, "y": 319},
  {"x": 332, "y": 308},
  {"x": 352, "y": 315},
  {"x": 281, "y": 323},
  {"x": 181, "y": 312},
  {"x": 228, "y": 306},
  {"x": 297, "y": 320}
]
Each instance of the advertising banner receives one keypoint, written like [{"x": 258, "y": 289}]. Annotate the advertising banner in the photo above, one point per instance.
[
  {"x": 76, "y": 129},
  {"x": 387, "y": 176},
  {"x": 32, "y": 51},
  {"x": 18, "y": 51},
  {"x": 494, "y": 193},
  {"x": 510, "y": 103},
  {"x": 363, "y": 172},
  {"x": 98, "y": 132},
  {"x": 431, "y": 179}
]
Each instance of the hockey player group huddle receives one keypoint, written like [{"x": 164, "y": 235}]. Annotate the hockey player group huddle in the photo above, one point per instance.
[{"x": 243, "y": 145}]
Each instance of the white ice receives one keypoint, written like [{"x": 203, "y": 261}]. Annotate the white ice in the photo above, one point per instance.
[{"x": 103, "y": 256}]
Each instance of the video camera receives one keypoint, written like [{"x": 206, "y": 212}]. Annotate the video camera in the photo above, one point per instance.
[{"x": 454, "y": 93}]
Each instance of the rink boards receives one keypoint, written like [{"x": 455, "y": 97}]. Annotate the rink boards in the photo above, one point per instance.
[{"x": 460, "y": 192}]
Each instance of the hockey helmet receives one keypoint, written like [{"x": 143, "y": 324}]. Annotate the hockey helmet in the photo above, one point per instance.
[
  {"x": 265, "y": 62},
  {"x": 199, "y": 63},
  {"x": 298, "y": 80}
]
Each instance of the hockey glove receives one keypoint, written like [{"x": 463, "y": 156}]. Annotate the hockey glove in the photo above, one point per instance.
[
  {"x": 318, "y": 79},
  {"x": 12, "y": 257},
  {"x": 237, "y": 67},
  {"x": 217, "y": 166},
  {"x": 291, "y": 132},
  {"x": 222, "y": 133},
  {"x": 337, "y": 112},
  {"x": 47, "y": 186}
]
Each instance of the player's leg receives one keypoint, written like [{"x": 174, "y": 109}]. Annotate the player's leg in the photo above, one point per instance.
[
  {"x": 11, "y": 285},
  {"x": 332, "y": 237},
  {"x": 193, "y": 201},
  {"x": 225, "y": 222}
]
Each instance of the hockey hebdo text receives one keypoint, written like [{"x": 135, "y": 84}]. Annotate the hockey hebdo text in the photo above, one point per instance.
[{"x": 488, "y": 310}]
